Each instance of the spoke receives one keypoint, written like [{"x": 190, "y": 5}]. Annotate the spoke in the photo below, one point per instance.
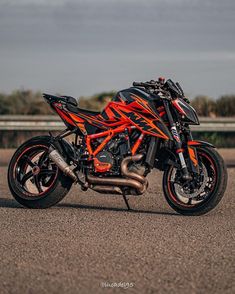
[
  {"x": 42, "y": 158},
  {"x": 29, "y": 161},
  {"x": 37, "y": 183},
  {"x": 48, "y": 172},
  {"x": 26, "y": 177}
]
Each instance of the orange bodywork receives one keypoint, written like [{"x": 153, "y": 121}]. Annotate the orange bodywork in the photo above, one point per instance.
[
  {"x": 192, "y": 156},
  {"x": 117, "y": 117}
]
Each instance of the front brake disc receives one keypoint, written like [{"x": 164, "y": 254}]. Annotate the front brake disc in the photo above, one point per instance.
[{"x": 183, "y": 192}]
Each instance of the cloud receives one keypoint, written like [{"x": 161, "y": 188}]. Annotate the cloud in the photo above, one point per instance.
[
  {"x": 64, "y": 2},
  {"x": 62, "y": 41},
  {"x": 33, "y": 2}
]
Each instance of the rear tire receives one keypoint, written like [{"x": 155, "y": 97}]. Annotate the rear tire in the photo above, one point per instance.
[
  {"x": 214, "y": 196},
  {"x": 51, "y": 183}
]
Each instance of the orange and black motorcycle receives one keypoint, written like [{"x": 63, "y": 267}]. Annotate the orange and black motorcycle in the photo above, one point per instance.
[{"x": 112, "y": 151}]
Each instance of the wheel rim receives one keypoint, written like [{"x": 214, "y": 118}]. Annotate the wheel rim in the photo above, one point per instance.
[
  {"x": 194, "y": 199},
  {"x": 34, "y": 173}
]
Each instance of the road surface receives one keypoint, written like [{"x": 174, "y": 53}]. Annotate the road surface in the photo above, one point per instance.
[{"x": 89, "y": 242}]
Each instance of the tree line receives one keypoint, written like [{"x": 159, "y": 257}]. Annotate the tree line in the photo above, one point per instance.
[{"x": 28, "y": 102}]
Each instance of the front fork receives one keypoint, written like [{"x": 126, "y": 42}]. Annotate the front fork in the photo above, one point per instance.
[{"x": 186, "y": 175}]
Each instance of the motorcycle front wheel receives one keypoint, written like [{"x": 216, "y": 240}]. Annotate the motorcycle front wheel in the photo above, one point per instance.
[
  {"x": 33, "y": 179},
  {"x": 197, "y": 198}
]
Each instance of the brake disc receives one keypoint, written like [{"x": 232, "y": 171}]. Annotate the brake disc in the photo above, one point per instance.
[{"x": 183, "y": 192}]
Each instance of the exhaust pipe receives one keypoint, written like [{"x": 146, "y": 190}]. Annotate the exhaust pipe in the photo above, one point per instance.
[
  {"x": 114, "y": 182},
  {"x": 126, "y": 172},
  {"x": 55, "y": 156},
  {"x": 107, "y": 189},
  {"x": 131, "y": 179}
]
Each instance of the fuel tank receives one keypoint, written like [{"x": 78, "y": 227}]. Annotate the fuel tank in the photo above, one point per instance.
[
  {"x": 126, "y": 95},
  {"x": 139, "y": 108}
]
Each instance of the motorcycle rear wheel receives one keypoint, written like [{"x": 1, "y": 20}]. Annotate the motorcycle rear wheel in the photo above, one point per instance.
[
  {"x": 215, "y": 183},
  {"x": 33, "y": 179}
]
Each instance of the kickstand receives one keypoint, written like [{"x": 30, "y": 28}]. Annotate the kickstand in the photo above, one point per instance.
[{"x": 126, "y": 202}]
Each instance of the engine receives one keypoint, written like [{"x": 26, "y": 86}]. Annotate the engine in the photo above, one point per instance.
[
  {"x": 104, "y": 162},
  {"x": 114, "y": 169},
  {"x": 109, "y": 160}
]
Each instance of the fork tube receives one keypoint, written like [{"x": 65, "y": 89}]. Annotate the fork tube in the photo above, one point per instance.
[{"x": 178, "y": 143}]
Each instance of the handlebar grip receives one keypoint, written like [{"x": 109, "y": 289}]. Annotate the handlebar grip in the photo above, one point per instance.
[{"x": 136, "y": 84}]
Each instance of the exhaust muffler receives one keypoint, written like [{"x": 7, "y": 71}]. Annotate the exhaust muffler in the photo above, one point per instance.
[{"x": 55, "y": 156}]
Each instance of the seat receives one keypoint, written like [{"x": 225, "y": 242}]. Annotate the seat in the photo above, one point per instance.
[
  {"x": 75, "y": 109},
  {"x": 81, "y": 110},
  {"x": 72, "y": 104}
]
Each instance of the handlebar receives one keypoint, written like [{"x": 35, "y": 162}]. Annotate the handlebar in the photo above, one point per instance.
[
  {"x": 138, "y": 84},
  {"x": 151, "y": 84},
  {"x": 169, "y": 89}
]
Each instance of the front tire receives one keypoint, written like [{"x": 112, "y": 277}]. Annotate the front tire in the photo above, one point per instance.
[
  {"x": 213, "y": 189},
  {"x": 33, "y": 179}
]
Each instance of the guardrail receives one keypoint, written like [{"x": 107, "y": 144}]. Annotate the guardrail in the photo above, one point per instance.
[{"x": 53, "y": 123}]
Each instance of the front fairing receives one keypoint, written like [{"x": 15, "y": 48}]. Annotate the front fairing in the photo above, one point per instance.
[{"x": 187, "y": 112}]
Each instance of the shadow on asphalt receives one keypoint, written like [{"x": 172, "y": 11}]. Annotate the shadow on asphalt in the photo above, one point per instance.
[
  {"x": 10, "y": 203},
  {"x": 89, "y": 207}
]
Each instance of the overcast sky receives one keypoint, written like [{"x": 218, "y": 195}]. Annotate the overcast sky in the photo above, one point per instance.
[{"x": 77, "y": 47}]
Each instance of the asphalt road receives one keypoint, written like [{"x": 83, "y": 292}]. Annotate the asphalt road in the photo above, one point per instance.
[{"x": 90, "y": 241}]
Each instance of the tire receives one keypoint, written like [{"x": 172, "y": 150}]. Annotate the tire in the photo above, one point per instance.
[
  {"x": 48, "y": 182},
  {"x": 218, "y": 168}
]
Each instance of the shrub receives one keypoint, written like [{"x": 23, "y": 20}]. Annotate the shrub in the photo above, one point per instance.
[
  {"x": 205, "y": 106},
  {"x": 96, "y": 102},
  {"x": 225, "y": 105},
  {"x": 28, "y": 102}
]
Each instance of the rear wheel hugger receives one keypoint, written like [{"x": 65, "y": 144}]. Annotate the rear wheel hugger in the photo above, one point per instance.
[
  {"x": 56, "y": 192},
  {"x": 216, "y": 195}
]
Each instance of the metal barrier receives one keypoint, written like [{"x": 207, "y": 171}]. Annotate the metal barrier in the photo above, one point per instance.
[{"x": 53, "y": 123}]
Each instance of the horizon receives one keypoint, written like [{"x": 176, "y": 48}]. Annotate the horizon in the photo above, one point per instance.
[{"x": 25, "y": 89}]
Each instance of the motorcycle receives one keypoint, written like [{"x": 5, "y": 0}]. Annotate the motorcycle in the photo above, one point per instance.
[{"x": 142, "y": 128}]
